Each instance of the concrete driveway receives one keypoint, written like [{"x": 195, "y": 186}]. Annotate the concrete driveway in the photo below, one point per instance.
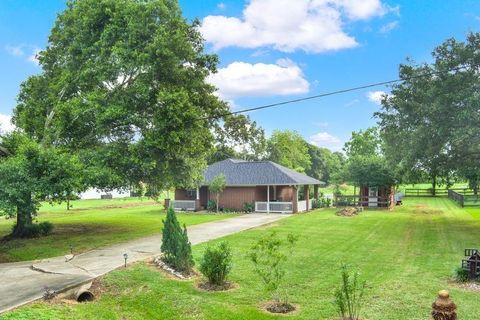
[{"x": 23, "y": 282}]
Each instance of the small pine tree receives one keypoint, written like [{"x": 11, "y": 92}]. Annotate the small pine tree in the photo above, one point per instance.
[
  {"x": 184, "y": 259},
  {"x": 176, "y": 249}
]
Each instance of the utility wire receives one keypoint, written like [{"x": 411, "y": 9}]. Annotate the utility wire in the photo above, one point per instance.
[{"x": 366, "y": 86}]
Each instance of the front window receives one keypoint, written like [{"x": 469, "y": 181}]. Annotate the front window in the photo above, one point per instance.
[{"x": 192, "y": 193}]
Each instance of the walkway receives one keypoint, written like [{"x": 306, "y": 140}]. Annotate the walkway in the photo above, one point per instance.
[{"x": 24, "y": 282}]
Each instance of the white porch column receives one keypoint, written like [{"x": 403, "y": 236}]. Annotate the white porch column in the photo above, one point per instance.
[
  {"x": 268, "y": 198},
  {"x": 198, "y": 194}
]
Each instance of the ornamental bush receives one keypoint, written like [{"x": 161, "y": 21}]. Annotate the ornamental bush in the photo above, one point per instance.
[
  {"x": 176, "y": 249},
  {"x": 216, "y": 263}
]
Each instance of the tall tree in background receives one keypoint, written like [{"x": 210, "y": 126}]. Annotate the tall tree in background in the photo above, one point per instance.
[
  {"x": 123, "y": 87},
  {"x": 430, "y": 122},
  {"x": 325, "y": 165},
  {"x": 239, "y": 138},
  {"x": 289, "y": 149}
]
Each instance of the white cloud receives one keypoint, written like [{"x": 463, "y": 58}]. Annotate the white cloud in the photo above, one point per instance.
[
  {"x": 376, "y": 96},
  {"x": 16, "y": 51},
  {"x": 241, "y": 79},
  {"x": 221, "y": 6},
  {"x": 33, "y": 57},
  {"x": 326, "y": 140},
  {"x": 6, "y": 124},
  {"x": 387, "y": 28},
  {"x": 309, "y": 25}
]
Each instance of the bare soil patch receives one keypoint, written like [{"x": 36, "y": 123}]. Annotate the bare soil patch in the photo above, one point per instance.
[
  {"x": 472, "y": 286},
  {"x": 348, "y": 212},
  {"x": 424, "y": 209}
]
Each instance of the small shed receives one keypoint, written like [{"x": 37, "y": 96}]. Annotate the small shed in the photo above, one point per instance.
[{"x": 377, "y": 196}]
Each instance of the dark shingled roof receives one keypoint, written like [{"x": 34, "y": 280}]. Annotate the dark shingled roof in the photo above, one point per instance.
[{"x": 245, "y": 173}]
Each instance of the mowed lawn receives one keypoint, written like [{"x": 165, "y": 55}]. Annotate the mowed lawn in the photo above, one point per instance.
[
  {"x": 407, "y": 256},
  {"x": 91, "y": 224}
]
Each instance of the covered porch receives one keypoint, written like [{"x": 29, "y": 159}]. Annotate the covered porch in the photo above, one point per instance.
[{"x": 286, "y": 199}]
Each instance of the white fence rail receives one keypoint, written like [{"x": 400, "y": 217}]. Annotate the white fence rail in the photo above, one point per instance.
[
  {"x": 183, "y": 205},
  {"x": 302, "y": 205},
  {"x": 280, "y": 207}
]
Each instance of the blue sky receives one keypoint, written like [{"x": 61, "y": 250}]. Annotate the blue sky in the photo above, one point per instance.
[{"x": 275, "y": 50}]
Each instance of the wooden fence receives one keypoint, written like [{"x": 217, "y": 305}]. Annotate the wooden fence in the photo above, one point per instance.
[
  {"x": 362, "y": 201},
  {"x": 464, "y": 200},
  {"x": 438, "y": 192}
]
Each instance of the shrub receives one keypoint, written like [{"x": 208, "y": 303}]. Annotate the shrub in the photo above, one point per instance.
[
  {"x": 248, "y": 207},
  {"x": 211, "y": 206},
  {"x": 34, "y": 230},
  {"x": 216, "y": 263},
  {"x": 176, "y": 249},
  {"x": 349, "y": 297},
  {"x": 268, "y": 256},
  {"x": 460, "y": 274},
  {"x": 45, "y": 228}
]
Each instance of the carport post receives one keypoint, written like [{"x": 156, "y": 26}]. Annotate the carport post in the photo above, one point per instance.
[{"x": 268, "y": 198}]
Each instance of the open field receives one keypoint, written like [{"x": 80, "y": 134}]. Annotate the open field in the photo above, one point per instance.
[
  {"x": 406, "y": 255},
  {"x": 91, "y": 224}
]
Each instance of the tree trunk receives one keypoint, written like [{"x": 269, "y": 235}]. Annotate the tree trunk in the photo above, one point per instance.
[
  {"x": 218, "y": 199},
  {"x": 68, "y": 202},
  {"x": 24, "y": 217},
  {"x": 434, "y": 185}
]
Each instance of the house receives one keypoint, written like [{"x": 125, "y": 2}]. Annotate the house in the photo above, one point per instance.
[{"x": 269, "y": 186}]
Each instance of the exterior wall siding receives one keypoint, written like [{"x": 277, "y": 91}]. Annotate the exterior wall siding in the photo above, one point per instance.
[{"x": 235, "y": 197}]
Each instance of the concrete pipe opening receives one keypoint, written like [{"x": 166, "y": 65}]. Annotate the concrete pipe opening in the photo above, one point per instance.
[{"x": 85, "y": 296}]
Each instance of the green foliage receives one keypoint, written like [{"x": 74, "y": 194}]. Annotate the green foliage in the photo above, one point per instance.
[
  {"x": 238, "y": 131},
  {"x": 176, "y": 249},
  {"x": 369, "y": 171},
  {"x": 364, "y": 143},
  {"x": 216, "y": 263},
  {"x": 211, "y": 206},
  {"x": 268, "y": 256},
  {"x": 325, "y": 165},
  {"x": 217, "y": 185},
  {"x": 249, "y": 207},
  {"x": 349, "y": 297},
  {"x": 430, "y": 123},
  {"x": 460, "y": 274},
  {"x": 33, "y": 230},
  {"x": 34, "y": 173},
  {"x": 289, "y": 149},
  {"x": 127, "y": 78}
]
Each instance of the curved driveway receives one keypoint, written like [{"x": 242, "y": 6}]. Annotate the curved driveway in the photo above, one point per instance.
[{"x": 23, "y": 282}]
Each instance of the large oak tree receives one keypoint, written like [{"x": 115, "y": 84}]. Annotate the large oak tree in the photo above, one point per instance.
[{"x": 123, "y": 89}]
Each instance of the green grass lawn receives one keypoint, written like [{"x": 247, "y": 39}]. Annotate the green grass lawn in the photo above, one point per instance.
[
  {"x": 406, "y": 255},
  {"x": 91, "y": 224}
]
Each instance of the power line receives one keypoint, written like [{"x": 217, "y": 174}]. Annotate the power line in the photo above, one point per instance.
[{"x": 366, "y": 86}]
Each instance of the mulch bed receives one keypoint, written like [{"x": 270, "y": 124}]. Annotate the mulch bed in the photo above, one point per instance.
[
  {"x": 280, "y": 308},
  {"x": 158, "y": 264},
  {"x": 214, "y": 287}
]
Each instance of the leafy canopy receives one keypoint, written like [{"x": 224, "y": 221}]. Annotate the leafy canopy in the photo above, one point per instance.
[{"x": 289, "y": 149}]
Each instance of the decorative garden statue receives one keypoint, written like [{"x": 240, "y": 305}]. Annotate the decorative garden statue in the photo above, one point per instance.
[{"x": 443, "y": 308}]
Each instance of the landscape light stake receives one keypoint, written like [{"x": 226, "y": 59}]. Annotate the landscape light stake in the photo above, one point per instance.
[
  {"x": 71, "y": 249},
  {"x": 125, "y": 256}
]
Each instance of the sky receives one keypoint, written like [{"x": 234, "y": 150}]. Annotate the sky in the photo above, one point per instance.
[{"x": 276, "y": 50}]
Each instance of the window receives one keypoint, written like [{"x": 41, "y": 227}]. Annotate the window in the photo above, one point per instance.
[{"x": 192, "y": 193}]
